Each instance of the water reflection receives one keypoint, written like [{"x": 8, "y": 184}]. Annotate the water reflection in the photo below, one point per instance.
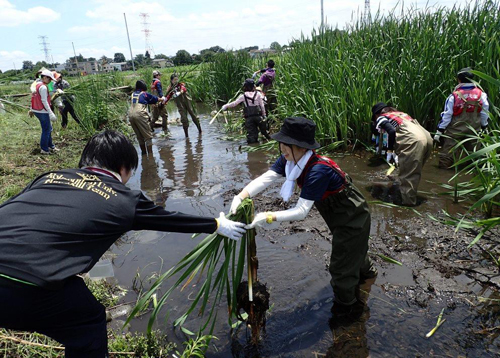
[
  {"x": 349, "y": 339},
  {"x": 193, "y": 169},
  {"x": 151, "y": 182},
  {"x": 167, "y": 168}
]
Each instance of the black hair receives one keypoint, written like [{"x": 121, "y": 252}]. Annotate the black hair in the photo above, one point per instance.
[
  {"x": 248, "y": 85},
  {"x": 465, "y": 75},
  {"x": 174, "y": 75},
  {"x": 270, "y": 63},
  {"x": 382, "y": 111},
  {"x": 141, "y": 86},
  {"x": 109, "y": 150}
]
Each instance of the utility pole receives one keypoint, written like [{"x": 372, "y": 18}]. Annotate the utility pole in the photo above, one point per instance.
[
  {"x": 76, "y": 59},
  {"x": 322, "y": 16},
  {"x": 45, "y": 48},
  {"x": 129, "y": 46},
  {"x": 147, "y": 31}
]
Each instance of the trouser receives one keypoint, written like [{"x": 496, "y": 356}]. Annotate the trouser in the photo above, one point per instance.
[
  {"x": 72, "y": 316},
  {"x": 272, "y": 101},
  {"x": 458, "y": 130},
  {"x": 253, "y": 125},
  {"x": 46, "y": 137},
  {"x": 139, "y": 120},
  {"x": 348, "y": 218},
  {"x": 157, "y": 112},
  {"x": 64, "y": 113},
  {"x": 184, "y": 106},
  {"x": 413, "y": 147}
]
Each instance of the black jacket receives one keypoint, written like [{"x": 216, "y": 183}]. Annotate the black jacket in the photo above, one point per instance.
[{"x": 62, "y": 223}]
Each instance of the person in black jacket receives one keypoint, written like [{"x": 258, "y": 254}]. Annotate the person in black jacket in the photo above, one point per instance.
[{"x": 60, "y": 225}]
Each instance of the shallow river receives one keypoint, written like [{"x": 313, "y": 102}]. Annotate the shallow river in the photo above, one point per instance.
[{"x": 195, "y": 174}]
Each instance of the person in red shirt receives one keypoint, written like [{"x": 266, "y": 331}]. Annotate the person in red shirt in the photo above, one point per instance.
[{"x": 178, "y": 91}]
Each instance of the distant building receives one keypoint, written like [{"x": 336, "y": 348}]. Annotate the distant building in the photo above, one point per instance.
[
  {"x": 162, "y": 63},
  {"x": 120, "y": 66},
  {"x": 262, "y": 52},
  {"x": 82, "y": 68},
  {"x": 61, "y": 67}
]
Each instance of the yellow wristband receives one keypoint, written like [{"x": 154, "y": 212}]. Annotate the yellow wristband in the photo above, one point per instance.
[
  {"x": 269, "y": 218},
  {"x": 217, "y": 221}
]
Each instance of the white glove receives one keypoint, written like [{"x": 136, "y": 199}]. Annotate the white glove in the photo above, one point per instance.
[
  {"x": 162, "y": 99},
  {"x": 437, "y": 136},
  {"x": 231, "y": 229},
  {"x": 177, "y": 94},
  {"x": 392, "y": 157},
  {"x": 52, "y": 117},
  {"x": 224, "y": 107},
  {"x": 261, "y": 219},
  {"x": 60, "y": 91},
  {"x": 234, "y": 205}
]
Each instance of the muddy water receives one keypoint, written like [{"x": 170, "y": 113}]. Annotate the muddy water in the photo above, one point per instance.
[{"x": 199, "y": 175}]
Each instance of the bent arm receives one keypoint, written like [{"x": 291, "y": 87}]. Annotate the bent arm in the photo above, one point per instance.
[
  {"x": 447, "y": 114},
  {"x": 235, "y": 103}
]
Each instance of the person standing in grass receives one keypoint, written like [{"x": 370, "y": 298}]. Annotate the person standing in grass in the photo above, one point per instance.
[
  {"x": 138, "y": 116},
  {"x": 66, "y": 101},
  {"x": 159, "y": 109},
  {"x": 178, "y": 91},
  {"x": 42, "y": 255},
  {"x": 253, "y": 111},
  {"x": 465, "y": 114},
  {"x": 267, "y": 78},
  {"x": 41, "y": 107},
  {"x": 409, "y": 146},
  {"x": 342, "y": 206}
]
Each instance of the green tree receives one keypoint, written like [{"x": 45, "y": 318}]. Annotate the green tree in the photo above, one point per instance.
[
  {"x": 182, "y": 57},
  {"x": 160, "y": 55},
  {"x": 207, "y": 56},
  {"x": 119, "y": 57},
  {"x": 140, "y": 59},
  {"x": 28, "y": 65},
  {"x": 275, "y": 46}
]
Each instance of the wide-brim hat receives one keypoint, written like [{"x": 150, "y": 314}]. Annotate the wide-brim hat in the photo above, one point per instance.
[
  {"x": 378, "y": 107},
  {"x": 48, "y": 74},
  {"x": 299, "y": 131}
]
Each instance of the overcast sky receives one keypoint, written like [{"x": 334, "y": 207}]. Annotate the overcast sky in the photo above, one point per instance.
[{"x": 96, "y": 27}]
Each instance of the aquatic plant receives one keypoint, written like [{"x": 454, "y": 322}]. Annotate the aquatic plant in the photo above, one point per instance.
[{"x": 220, "y": 263}]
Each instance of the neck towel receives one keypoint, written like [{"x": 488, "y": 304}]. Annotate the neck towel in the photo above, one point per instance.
[{"x": 292, "y": 172}]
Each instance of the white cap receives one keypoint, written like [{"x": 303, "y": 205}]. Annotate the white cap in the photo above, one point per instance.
[{"x": 48, "y": 74}]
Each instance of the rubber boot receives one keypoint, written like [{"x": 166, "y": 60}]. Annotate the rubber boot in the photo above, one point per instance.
[
  {"x": 143, "y": 149},
  {"x": 198, "y": 125},
  {"x": 186, "y": 131},
  {"x": 150, "y": 150}
]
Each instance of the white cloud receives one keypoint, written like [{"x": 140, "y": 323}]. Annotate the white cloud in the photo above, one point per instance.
[
  {"x": 9, "y": 59},
  {"x": 12, "y": 17}
]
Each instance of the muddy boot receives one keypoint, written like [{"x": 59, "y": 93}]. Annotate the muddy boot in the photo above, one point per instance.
[
  {"x": 198, "y": 125},
  {"x": 186, "y": 131},
  {"x": 344, "y": 315},
  {"x": 143, "y": 149},
  {"x": 150, "y": 150}
]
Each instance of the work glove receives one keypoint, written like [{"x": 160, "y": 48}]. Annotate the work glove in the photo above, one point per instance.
[
  {"x": 52, "y": 117},
  {"x": 60, "y": 91},
  {"x": 437, "y": 136},
  {"x": 228, "y": 228},
  {"x": 30, "y": 113},
  {"x": 177, "y": 94},
  {"x": 392, "y": 158},
  {"x": 234, "y": 205},
  {"x": 224, "y": 107},
  {"x": 261, "y": 220}
]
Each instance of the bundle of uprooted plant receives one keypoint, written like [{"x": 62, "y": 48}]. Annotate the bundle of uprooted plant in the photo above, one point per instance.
[{"x": 220, "y": 263}]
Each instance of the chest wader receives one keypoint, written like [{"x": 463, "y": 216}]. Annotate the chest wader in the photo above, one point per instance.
[
  {"x": 253, "y": 120},
  {"x": 413, "y": 147},
  {"x": 459, "y": 130},
  {"x": 184, "y": 106},
  {"x": 139, "y": 120},
  {"x": 272, "y": 101},
  {"x": 348, "y": 218}
]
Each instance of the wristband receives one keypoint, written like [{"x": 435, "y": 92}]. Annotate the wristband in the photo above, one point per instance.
[{"x": 269, "y": 218}]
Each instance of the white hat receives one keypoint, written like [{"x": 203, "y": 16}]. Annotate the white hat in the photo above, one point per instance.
[
  {"x": 48, "y": 74},
  {"x": 156, "y": 73}
]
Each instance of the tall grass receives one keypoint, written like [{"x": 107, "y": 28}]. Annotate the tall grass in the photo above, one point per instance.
[{"x": 222, "y": 78}]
